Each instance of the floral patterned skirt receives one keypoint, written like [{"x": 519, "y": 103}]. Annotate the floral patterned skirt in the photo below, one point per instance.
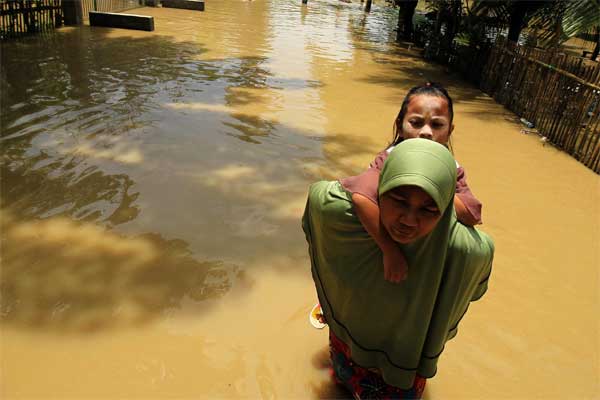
[{"x": 365, "y": 383}]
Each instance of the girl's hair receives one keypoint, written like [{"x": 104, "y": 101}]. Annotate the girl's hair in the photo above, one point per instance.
[{"x": 429, "y": 89}]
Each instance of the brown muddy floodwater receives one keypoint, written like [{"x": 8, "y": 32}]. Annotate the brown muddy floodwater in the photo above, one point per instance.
[{"x": 152, "y": 189}]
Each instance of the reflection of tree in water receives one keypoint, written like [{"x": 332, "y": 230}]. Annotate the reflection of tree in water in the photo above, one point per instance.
[
  {"x": 250, "y": 127},
  {"x": 93, "y": 84},
  {"x": 70, "y": 276},
  {"x": 247, "y": 73},
  {"x": 66, "y": 100},
  {"x": 378, "y": 26},
  {"x": 76, "y": 90},
  {"x": 88, "y": 194}
]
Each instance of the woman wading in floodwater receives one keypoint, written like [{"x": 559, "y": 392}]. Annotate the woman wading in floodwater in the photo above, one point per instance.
[{"x": 385, "y": 337}]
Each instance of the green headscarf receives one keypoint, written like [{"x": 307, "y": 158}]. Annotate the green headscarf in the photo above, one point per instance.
[{"x": 400, "y": 329}]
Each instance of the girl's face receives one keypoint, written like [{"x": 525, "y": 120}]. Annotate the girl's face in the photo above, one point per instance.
[
  {"x": 427, "y": 117},
  {"x": 408, "y": 213}
]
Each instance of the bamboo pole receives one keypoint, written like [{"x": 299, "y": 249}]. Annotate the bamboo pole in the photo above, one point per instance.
[
  {"x": 15, "y": 19},
  {"x": 593, "y": 160},
  {"x": 20, "y": 18},
  {"x": 586, "y": 106},
  {"x": 583, "y": 118},
  {"x": 592, "y": 133}
]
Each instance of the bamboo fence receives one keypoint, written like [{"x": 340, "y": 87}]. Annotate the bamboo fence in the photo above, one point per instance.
[
  {"x": 22, "y": 17},
  {"x": 558, "y": 93}
]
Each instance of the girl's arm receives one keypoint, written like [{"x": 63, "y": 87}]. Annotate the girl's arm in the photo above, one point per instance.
[
  {"x": 394, "y": 262},
  {"x": 364, "y": 198},
  {"x": 463, "y": 214},
  {"x": 468, "y": 208}
]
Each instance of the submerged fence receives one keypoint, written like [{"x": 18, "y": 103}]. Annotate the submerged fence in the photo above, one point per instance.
[
  {"x": 22, "y": 17},
  {"x": 558, "y": 93}
]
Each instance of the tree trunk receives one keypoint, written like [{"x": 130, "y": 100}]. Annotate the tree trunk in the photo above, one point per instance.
[
  {"x": 438, "y": 23},
  {"x": 517, "y": 21},
  {"x": 558, "y": 27},
  {"x": 405, "y": 17},
  {"x": 73, "y": 12},
  {"x": 518, "y": 17},
  {"x": 452, "y": 24}
]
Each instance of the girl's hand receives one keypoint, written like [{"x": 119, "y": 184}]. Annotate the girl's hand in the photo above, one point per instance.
[{"x": 395, "y": 267}]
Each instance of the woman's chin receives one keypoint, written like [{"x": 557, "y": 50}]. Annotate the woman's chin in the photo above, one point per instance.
[{"x": 403, "y": 238}]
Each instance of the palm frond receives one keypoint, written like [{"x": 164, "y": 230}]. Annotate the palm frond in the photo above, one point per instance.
[
  {"x": 497, "y": 9},
  {"x": 576, "y": 16}
]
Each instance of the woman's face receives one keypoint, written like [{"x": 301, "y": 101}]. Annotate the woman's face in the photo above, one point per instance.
[
  {"x": 427, "y": 117},
  {"x": 408, "y": 213}
]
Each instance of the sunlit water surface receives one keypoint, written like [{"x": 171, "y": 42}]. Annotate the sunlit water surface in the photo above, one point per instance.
[{"x": 152, "y": 189}]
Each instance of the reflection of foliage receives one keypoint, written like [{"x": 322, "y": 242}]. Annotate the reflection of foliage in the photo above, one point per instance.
[
  {"x": 71, "y": 276},
  {"x": 250, "y": 127},
  {"x": 90, "y": 85},
  {"x": 246, "y": 72},
  {"x": 75, "y": 97},
  {"x": 84, "y": 92},
  {"x": 45, "y": 186}
]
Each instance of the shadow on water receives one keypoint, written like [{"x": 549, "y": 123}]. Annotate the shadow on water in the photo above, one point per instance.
[
  {"x": 68, "y": 276},
  {"x": 68, "y": 272}
]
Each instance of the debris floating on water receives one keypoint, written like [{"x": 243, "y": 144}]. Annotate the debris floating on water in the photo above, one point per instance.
[{"x": 528, "y": 124}]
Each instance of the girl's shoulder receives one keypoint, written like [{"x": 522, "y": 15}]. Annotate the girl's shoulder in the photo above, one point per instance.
[{"x": 380, "y": 158}]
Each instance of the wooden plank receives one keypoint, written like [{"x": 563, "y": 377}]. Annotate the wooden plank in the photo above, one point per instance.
[
  {"x": 126, "y": 21},
  {"x": 197, "y": 5}
]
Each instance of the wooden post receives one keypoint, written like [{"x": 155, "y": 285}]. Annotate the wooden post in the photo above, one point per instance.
[
  {"x": 368, "y": 6},
  {"x": 304, "y": 1},
  {"x": 58, "y": 17},
  {"x": 121, "y": 20},
  {"x": 197, "y": 5},
  {"x": 73, "y": 12},
  {"x": 406, "y": 11}
]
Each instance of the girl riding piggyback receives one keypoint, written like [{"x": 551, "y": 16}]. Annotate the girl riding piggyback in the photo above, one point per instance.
[{"x": 427, "y": 113}]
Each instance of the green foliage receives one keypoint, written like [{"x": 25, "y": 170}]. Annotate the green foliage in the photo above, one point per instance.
[
  {"x": 564, "y": 19},
  {"x": 555, "y": 21}
]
